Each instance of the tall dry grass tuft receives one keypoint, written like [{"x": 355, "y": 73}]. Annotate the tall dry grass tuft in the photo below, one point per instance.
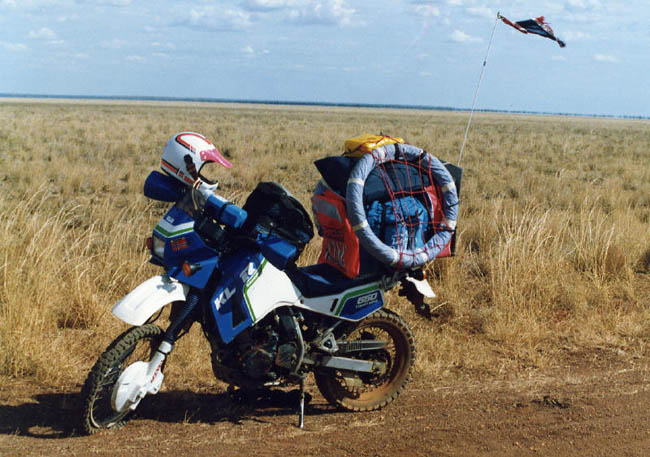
[
  {"x": 552, "y": 253},
  {"x": 60, "y": 269},
  {"x": 594, "y": 241}
]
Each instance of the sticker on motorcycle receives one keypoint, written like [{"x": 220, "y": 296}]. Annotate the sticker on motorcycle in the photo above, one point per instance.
[
  {"x": 367, "y": 300},
  {"x": 224, "y": 297},
  {"x": 179, "y": 244},
  {"x": 360, "y": 302}
]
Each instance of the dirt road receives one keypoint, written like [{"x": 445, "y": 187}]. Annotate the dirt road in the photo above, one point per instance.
[{"x": 598, "y": 404}]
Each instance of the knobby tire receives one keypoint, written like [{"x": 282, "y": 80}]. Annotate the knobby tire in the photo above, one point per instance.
[
  {"x": 376, "y": 392},
  {"x": 96, "y": 392}
]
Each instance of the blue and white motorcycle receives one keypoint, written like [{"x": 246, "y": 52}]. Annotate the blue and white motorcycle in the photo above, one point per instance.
[{"x": 268, "y": 322}]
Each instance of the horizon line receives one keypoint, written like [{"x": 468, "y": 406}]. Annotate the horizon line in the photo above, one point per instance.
[{"x": 313, "y": 103}]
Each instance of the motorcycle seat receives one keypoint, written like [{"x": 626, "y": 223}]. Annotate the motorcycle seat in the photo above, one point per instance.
[{"x": 321, "y": 280}]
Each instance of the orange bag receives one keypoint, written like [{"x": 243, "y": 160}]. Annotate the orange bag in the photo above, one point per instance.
[
  {"x": 340, "y": 247},
  {"x": 438, "y": 217}
]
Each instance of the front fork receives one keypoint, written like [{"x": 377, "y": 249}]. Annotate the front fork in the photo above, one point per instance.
[
  {"x": 142, "y": 378},
  {"x": 183, "y": 318}
]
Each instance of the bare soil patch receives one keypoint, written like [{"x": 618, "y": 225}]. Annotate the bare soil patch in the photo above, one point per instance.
[{"x": 597, "y": 404}]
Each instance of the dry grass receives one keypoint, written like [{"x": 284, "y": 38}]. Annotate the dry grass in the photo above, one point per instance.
[{"x": 553, "y": 253}]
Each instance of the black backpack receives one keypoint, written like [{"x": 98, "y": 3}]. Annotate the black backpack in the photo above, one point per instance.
[{"x": 275, "y": 211}]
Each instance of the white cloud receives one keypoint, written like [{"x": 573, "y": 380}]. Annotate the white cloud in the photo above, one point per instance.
[
  {"x": 62, "y": 19},
  {"x": 107, "y": 2},
  {"x": 322, "y": 12},
  {"x": 461, "y": 37},
  {"x": 26, "y": 4},
  {"x": 426, "y": 10},
  {"x": 481, "y": 11},
  {"x": 43, "y": 33},
  {"x": 134, "y": 58},
  {"x": 302, "y": 12},
  {"x": 14, "y": 47},
  {"x": 605, "y": 58},
  {"x": 38, "y": 4},
  {"x": 584, "y": 5},
  {"x": 250, "y": 52},
  {"x": 158, "y": 44},
  {"x": 590, "y": 11},
  {"x": 216, "y": 18},
  {"x": 267, "y": 5},
  {"x": 115, "y": 43},
  {"x": 576, "y": 35}
]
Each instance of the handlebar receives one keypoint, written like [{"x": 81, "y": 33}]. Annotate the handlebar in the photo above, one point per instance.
[
  {"x": 217, "y": 207},
  {"x": 279, "y": 252}
]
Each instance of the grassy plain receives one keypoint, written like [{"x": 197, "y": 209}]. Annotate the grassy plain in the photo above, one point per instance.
[{"x": 553, "y": 253}]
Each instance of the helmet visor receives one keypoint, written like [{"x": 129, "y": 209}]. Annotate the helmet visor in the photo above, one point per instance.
[
  {"x": 213, "y": 155},
  {"x": 209, "y": 173}
]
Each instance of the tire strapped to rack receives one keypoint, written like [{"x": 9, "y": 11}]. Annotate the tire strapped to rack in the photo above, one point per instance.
[{"x": 357, "y": 214}]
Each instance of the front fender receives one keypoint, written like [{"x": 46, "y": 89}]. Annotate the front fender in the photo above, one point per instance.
[{"x": 141, "y": 303}]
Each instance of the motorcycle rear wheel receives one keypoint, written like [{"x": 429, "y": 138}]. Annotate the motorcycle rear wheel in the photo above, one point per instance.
[
  {"x": 376, "y": 390},
  {"x": 137, "y": 343}
]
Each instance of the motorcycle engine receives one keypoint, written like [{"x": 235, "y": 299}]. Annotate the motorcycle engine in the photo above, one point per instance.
[
  {"x": 261, "y": 354},
  {"x": 257, "y": 364},
  {"x": 257, "y": 354}
]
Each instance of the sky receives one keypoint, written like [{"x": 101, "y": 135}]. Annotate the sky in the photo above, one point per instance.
[{"x": 406, "y": 52}]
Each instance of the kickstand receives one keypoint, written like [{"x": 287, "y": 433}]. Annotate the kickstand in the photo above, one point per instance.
[{"x": 301, "y": 417}]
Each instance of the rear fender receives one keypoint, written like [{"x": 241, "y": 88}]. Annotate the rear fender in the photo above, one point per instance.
[{"x": 146, "y": 299}]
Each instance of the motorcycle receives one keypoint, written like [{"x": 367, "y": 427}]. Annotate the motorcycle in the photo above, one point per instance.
[{"x": 268, "y": 322}]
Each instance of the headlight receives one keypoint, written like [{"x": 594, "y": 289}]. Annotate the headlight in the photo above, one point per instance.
[{"x": 158, "y": 247}]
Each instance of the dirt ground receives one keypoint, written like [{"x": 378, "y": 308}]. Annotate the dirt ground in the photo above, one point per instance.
[{"x": 597, "y": 403}]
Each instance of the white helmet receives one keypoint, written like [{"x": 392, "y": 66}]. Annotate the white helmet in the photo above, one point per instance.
[{"x": 186, "y": 153}]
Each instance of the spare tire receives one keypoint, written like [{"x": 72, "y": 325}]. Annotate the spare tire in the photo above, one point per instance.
[{"x": 403, "y": 258}]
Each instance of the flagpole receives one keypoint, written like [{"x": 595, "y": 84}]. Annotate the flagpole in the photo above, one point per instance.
[{"x": 478, "y": 86}]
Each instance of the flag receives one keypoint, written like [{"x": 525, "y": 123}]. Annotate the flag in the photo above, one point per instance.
[{"x": 536, "y": 26}]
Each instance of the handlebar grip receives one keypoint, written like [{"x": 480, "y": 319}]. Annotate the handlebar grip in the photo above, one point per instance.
[{"x": 225, "y": 212}]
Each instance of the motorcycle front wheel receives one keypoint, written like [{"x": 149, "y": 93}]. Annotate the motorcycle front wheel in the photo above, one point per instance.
[
  {"x": 372, "y": 391},
  {"x": 137, "y": 343}
]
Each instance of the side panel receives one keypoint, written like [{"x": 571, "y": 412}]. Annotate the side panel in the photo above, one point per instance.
[
  {"x": 229, "y": 308},
  {"x": 146, "y": 299},
  {"x": 352, "y": 304},
  {"x": 267, "y": 289},
  {"x": 358, "y": 303},
  {"x": 252, "y": 287}
]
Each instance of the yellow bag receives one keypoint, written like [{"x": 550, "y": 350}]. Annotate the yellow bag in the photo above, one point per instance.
[{"x": 360, "y": 145}]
